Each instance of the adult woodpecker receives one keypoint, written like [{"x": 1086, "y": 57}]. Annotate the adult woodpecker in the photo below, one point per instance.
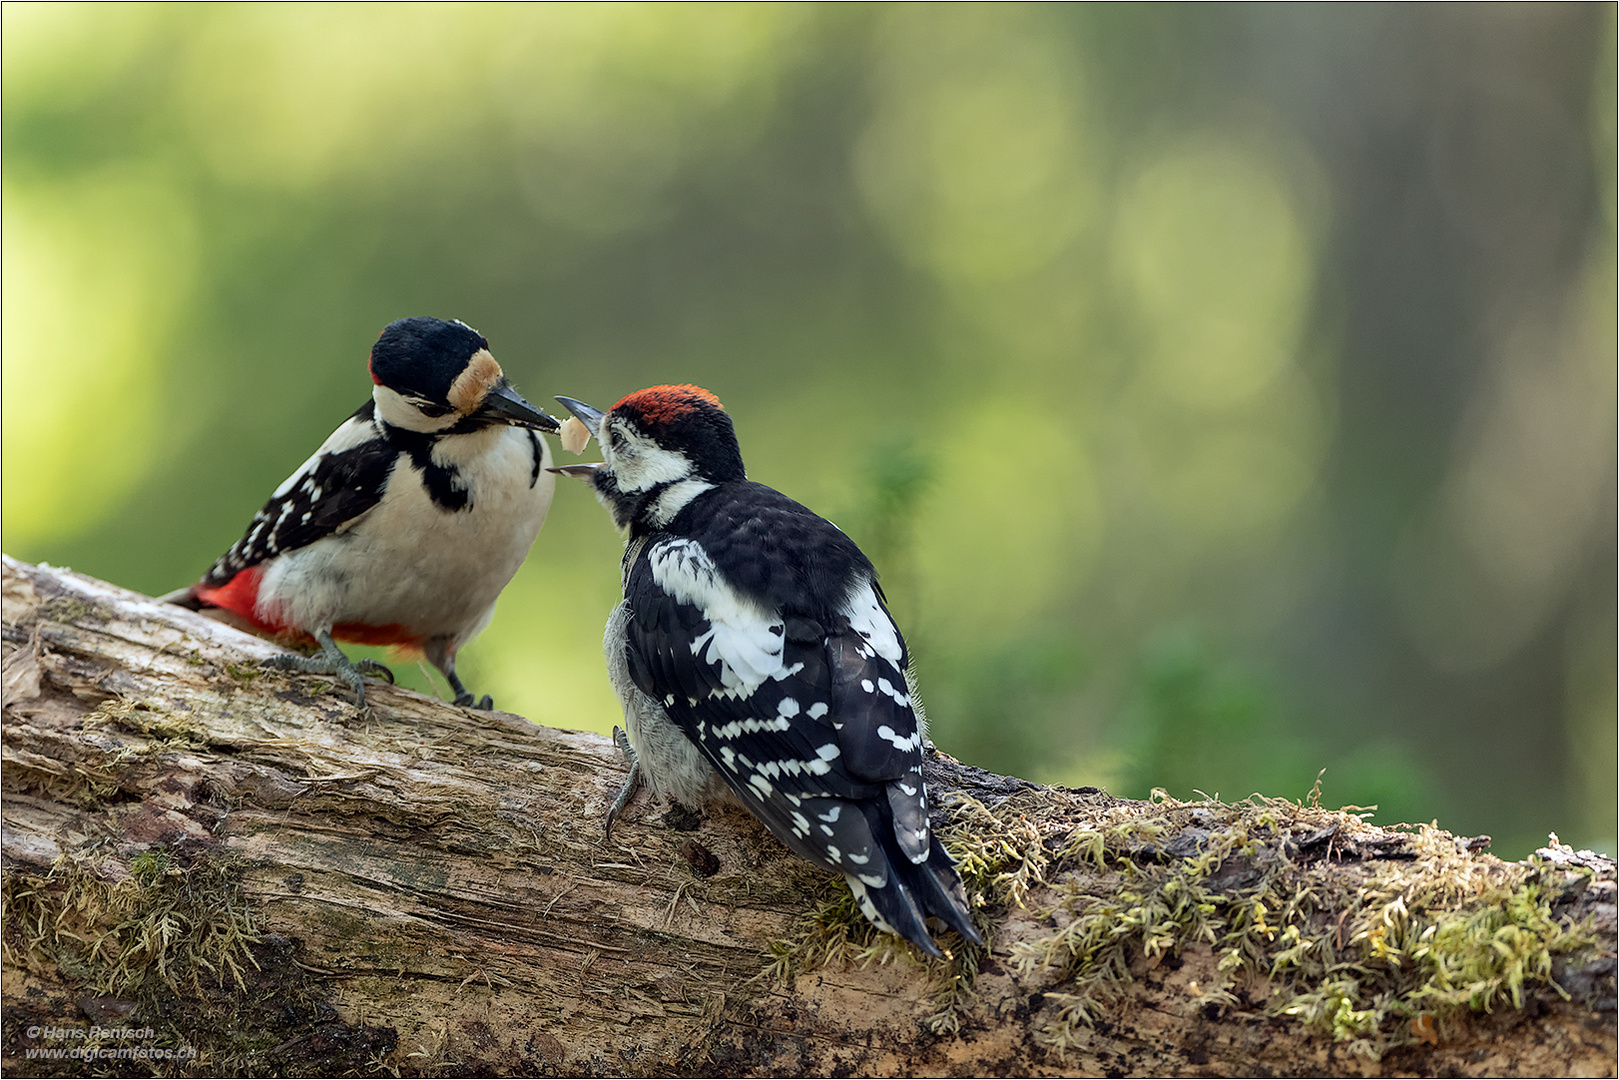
[
  {"x": 753, "y": 651},
  {"x": 407, "y": 522}
]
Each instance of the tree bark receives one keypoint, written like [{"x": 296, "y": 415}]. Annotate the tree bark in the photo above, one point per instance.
[{"x": 204, "y": 857}]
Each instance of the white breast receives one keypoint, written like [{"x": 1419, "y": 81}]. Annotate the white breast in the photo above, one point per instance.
[{"x": 409, "y": 561}]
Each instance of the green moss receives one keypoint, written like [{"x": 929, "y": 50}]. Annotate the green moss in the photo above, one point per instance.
[
  {"x": 143, "y": 718},
  {"x": 1356, "y": 951},
  {"x": 1372, "y": 952},
  {"x": 833, "y": 934},
  {"x": 173, "y": 933},
  {"x": 175, "y": 922},
  {"x": 69, "y": 610},
  {"x": 243, "y": 672},
  {"x": 999, "y": 853}
]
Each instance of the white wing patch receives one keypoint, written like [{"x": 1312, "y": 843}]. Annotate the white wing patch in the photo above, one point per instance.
[
  {"x": 742, "y": 640},
  {"x": 775, "y": 770},
  {"x": 349, "y": 434},
  {"x": 872, "y": 623},
  {"x": 903, "y": 700}
]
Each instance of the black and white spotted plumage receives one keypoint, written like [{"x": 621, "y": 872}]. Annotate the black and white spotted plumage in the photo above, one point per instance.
[
  {"x": 343, "y": 480},
  {"x": 403, "y": 528},
  {"x": 756, "y": 630},
  {"x": 348, "y": 476}
]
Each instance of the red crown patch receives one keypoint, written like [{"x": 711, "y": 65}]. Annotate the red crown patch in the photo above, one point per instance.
[{"x": 666, "y": 404}]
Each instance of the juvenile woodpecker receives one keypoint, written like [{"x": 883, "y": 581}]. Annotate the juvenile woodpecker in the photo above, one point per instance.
[
  {"x": 407, "y": 522},
  {"x": 753, "y": 650}
]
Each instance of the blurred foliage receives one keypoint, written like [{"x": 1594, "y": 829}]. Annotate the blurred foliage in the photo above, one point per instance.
[{"x": 1226, "y": 393}]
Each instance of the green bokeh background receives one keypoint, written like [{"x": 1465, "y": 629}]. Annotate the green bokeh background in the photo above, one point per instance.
[{"x": 1226, "y": 393}]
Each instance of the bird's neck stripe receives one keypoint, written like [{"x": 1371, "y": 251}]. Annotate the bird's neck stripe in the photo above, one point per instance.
[{"x": 674, "y": 498}]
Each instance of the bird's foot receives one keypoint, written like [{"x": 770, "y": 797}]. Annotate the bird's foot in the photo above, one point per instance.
[
  {"x": 621, "y": 739},
  {"x": 632, "y": 783},
  {"x": 331, "y": 661},
  {"x": 463, "y": 696}
]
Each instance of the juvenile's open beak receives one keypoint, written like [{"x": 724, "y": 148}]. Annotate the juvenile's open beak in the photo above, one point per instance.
[
  {"x": 588, "y": 415},
  {"x": 508, "y": 404},
  {"x": 578, "y": 472}
]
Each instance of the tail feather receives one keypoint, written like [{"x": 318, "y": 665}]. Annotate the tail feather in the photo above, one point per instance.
[
  {"x": 186, "y": 598},
  {"x": 192, "y": 597},
  {"x": 891, "y": 907},
  {"x": 942, "y": 894},
  {"x": 912, "y": 891}
]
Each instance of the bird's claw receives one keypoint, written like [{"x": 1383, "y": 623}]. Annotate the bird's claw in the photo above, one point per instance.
[
  {"x": 632, "y": 783},
  {"x": 331, "y": 661},
  {"x": 621, "y": 739},
  {"x": 463, "y": 696}
]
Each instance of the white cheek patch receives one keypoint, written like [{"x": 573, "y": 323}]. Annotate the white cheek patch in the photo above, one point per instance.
[
  {"x": 392, "y": 408},
  {"x": 641, "y": 464}
]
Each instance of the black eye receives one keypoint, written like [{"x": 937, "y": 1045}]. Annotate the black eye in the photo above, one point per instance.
[
  {"x": 616, "y": 437},
  {"x": 433, "y": 411}
]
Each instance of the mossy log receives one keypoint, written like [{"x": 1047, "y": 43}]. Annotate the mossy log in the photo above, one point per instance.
[{"x": 204, "y": 857}]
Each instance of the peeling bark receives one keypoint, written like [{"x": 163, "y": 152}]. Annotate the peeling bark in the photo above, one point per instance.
[{"x": 240, "y": 862}]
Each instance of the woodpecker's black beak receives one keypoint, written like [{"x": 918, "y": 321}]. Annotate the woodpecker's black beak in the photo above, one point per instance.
[
  {"x": 509, "y": 405},
  {"x": 588, "y": 415}
]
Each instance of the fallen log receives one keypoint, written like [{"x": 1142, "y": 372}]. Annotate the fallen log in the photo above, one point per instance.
[{"x": 215, "y": 869}]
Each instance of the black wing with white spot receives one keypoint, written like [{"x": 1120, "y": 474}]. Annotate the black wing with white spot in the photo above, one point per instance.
[
  {"x": 802, "y": 707},
  {"x": 340, "y": 483}
]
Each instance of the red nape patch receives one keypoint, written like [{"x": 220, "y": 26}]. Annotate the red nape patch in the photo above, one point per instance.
[
  {"x": 368, "y": 362},
  {"x": 665, "y": 404}
]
